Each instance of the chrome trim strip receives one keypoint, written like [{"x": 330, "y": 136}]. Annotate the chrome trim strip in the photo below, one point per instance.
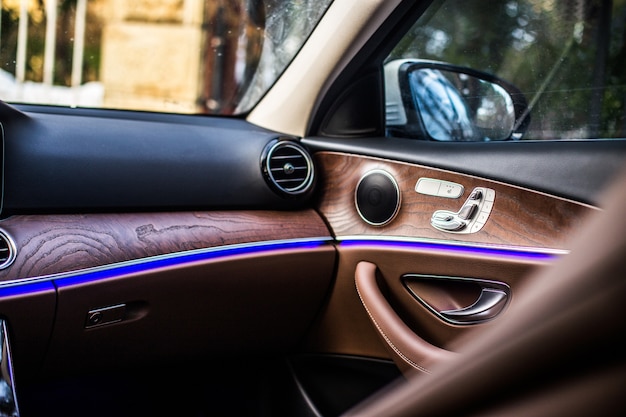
[
  {"x": 110, "y": 271},
  {"x": 449, "y": 244}
]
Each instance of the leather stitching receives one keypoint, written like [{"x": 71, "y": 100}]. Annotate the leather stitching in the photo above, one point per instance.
[{"x": 389, "y": 342}]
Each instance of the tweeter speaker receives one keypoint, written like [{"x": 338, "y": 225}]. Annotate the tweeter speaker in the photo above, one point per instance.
[{"x": 377, "y": 198}]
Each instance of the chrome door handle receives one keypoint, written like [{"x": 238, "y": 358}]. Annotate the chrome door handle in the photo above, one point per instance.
[{"x": 489, "y": 304}]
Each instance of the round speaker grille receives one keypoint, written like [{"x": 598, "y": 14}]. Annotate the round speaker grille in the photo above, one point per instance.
[{"x": 377, "y": 198}]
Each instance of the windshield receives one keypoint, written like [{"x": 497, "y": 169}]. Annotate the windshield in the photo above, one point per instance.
[{"x": 181, "y": 56}]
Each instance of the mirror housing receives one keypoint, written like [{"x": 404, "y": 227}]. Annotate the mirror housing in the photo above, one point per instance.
[{"x": 443, "y": 102}]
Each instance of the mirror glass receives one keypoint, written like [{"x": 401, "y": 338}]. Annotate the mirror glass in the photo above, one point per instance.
[{"x": 455, "y": 106}]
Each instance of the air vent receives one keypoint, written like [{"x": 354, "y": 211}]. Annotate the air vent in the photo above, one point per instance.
[
  {"x": 288, "y": 167},
  {"x": 7, "y": 250}
]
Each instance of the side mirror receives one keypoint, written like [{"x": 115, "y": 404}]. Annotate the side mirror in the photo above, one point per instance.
[{"x": 443, "y": 102}]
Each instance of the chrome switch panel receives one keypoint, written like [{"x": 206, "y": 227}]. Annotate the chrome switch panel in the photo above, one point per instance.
[{"x": 471, "y": 217}]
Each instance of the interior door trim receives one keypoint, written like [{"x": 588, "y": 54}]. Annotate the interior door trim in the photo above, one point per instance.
[
  {"x": 518, "y": 252},
  {"x": 344, "y": 326},
  {"x": 516, "y": 216}
]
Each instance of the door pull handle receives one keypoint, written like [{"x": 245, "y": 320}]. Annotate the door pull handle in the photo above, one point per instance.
[
  {"x": 489, "y": 304},
  {"x": 410, "y": 351}
]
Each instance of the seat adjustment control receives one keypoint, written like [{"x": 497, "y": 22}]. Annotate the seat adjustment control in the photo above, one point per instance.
[
  {"x": 471, "y": 217},
  {"x": 476, "y": 195},
  {"x": 447, "y": 222},
  {"x": 468, "y": 210}
]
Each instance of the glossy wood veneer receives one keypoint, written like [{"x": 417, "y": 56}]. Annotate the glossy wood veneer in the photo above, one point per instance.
[
  {"x": 520, "y": 217},
  {"x": 52, "y": 244}
]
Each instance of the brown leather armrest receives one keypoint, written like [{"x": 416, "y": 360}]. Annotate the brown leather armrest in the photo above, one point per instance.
[{"x": 409, "y": 351}]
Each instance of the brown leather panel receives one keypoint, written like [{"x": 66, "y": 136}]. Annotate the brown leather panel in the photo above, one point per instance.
[
  {"x": 520, "y": 217},
  {"x": 50, "y": 244},
  {"x": 344, "y": 325},
  {"x": 560, "y": 350},
  {"x": 408, "y": 350},
  {"x": 237, "y": 306}
]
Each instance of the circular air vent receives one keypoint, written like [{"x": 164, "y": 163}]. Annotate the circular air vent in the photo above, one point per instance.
[
  {"x": 288, "y": 167},
  {"x": 7, "y": 250}
]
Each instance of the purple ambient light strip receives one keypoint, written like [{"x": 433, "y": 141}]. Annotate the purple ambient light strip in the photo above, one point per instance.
[
  {"x": 528, "y": 254},
  {"x": 26, "y": 288},
  {"x": 43, "y": 284},
  {"x": 36, "y": 285}
]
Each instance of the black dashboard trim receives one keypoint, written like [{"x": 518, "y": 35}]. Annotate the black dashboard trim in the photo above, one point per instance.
[{"x": 77, "y": 160}]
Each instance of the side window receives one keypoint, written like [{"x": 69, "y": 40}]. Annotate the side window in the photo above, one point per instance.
[{"x": 478, "y": 70}]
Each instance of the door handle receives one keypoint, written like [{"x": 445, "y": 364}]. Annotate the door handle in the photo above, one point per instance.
[
  {"x": 408, "y": 350},
  {"x": 489, "y": 304}
]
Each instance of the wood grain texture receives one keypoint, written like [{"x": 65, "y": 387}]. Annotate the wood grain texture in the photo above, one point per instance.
[
  {"x": 520, "y": 217},
  {"x": 51, "y": 244}
]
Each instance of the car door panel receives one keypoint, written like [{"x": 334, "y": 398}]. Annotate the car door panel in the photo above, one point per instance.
[
  {"x": 519, "y": 217},
  {"x": 561, "y": 335},
  {"x": 345, "y": 327},
  {"x": 525, "y": 230}
]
